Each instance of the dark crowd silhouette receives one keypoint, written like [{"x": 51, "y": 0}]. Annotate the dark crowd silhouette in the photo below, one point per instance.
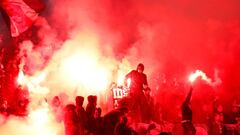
[{"x": 136, "y": 113}]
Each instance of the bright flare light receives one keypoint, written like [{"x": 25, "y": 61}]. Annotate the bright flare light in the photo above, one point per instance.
[
  {"x": 39, "y": 117},
  {"x": 199, "y": 73},
  {"x": 123, "y": 69},
  {"x": 21, "y": 78},
  {"x": 85, "y": 71},
  {"x": 120, "y": 79},
  {"x": 33, "y": 82},
  {"x": 34, "y": 86},
  {"x": 41, "y": 120}
]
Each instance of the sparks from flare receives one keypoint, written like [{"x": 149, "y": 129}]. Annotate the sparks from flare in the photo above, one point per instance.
[{"x": 199, "y": 73}]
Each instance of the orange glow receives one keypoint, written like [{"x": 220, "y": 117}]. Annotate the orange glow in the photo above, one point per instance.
[
  {"x": 120, "y": 78},
  {"x": 39, "y": 117},
  {"x": 84, "y": 70},
  {"x": 41, "y": 120},
  {"x": 123, "y": 70},
  {"x": 21, "y": 78},
  {"x": 32, "y": 82}
]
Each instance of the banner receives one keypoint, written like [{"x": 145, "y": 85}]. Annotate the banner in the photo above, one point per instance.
[{"x": 20, "y": 14}]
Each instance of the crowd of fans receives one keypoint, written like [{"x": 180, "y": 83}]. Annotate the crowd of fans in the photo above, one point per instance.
[
  {"x": 136, "y": 114},
  {"x": 89, "y": 121},
  {"x": 79, "y": 120}
]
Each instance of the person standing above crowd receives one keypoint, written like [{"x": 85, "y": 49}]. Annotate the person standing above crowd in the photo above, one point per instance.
[{"x": 138, "y": 82}]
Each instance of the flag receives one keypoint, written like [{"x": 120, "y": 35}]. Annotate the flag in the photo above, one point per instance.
[
  {"x": 20, "y": 14},
  {"x": 37, "y": 5}
]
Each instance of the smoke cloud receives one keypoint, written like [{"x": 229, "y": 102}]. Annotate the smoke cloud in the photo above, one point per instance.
[{"x": 108, "y": 38}]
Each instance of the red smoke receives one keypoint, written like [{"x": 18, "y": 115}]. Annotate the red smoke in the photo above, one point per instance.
[{"x": 171, "y": 37}]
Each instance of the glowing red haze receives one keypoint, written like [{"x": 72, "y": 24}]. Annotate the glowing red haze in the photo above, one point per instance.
[{"x": 108, "y": 38}]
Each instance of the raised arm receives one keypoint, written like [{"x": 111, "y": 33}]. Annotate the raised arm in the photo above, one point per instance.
[{"x": 188, "y": 98}]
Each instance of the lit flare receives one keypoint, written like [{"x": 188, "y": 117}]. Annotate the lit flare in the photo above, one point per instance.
[{"x": 199, "y": 73}]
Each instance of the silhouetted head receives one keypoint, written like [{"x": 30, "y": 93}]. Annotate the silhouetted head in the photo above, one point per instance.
[
  {"x": 69, "y": 111},
  {"x": 56, "y": 101},
  {"x": 79, "y": 100},
  {"x": 98, "y": 112},
  {"x": 92, "y": 100},
  {"x": 140, "y": 67}
]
